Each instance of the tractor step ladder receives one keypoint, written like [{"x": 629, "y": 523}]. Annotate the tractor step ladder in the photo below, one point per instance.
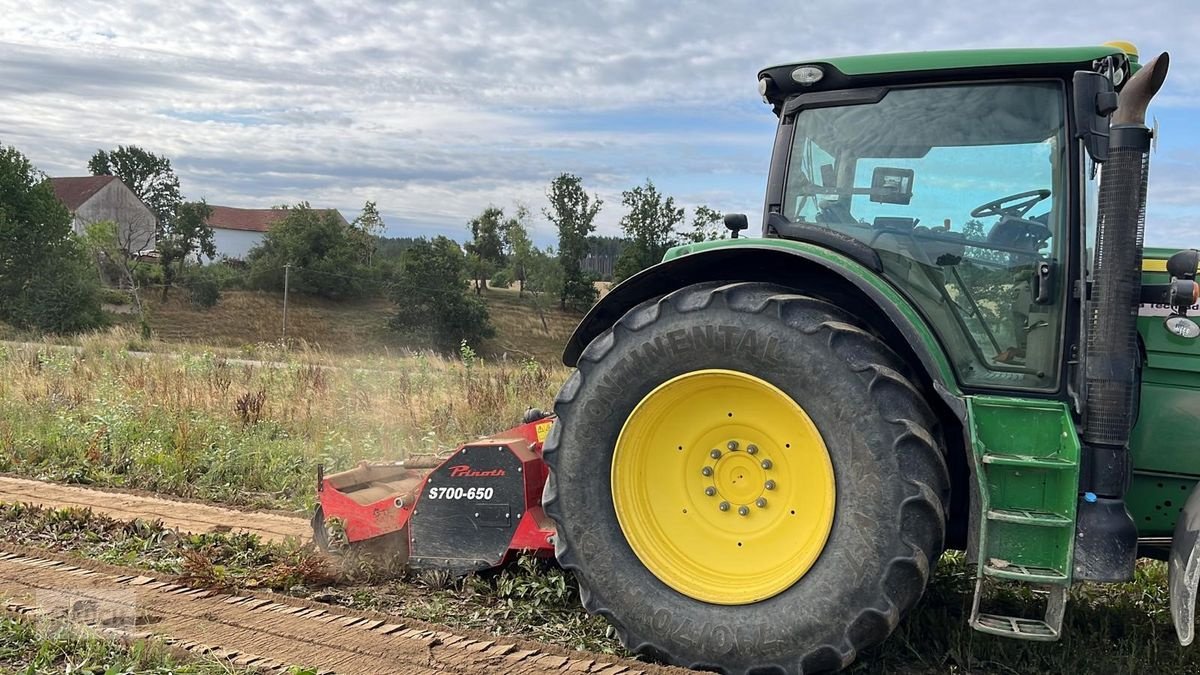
[{"x": 1026, "y": 456}]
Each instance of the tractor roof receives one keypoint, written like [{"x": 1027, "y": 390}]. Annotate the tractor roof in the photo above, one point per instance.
[{"x": 910, "y": 67}]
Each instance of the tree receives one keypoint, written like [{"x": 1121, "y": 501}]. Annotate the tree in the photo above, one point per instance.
[
  {"x": 432, "y": 297},
  {"x": 186, "y": 232},
  {"x": 368, "y": 227},
  {"x": 323, "y": 255},
  {"x": 706, "y": 225},
  {"x": 518, "y": 247},
  {"x": 149, "y": 176},
  {"x": 650, "y": 225},
  {"x": 574, "y": 213},
  {"x": 47, "y": 282},
  {"x": 487, "y": 245},
  {"x": 543, "y": 279},
  {"x": 393, "y": 247},
  {"x": 109, "y": 245}
]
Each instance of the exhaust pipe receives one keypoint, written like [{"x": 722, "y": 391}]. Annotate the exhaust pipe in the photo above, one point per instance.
[{"x": 1106, "y": 541}]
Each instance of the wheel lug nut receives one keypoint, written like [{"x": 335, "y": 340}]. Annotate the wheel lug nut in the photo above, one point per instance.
[
  {"x": 714, "y": 453},
  {"x": 706, "y": 471},
  {"x": 766, "y": 464},
  {"x": 724, "y": 506},
  {"x": 710, "y": 490},
  {"x": 761, "y": 502},
  {"x": 742, "y": 511},
  {"x": 770, "y": 485},
  {"x": 752, "y": 449},
  {"x": 732, "y": 445}
]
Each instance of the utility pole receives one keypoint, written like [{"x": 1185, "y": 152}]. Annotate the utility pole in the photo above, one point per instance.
[{"x": 286, "y": 269}]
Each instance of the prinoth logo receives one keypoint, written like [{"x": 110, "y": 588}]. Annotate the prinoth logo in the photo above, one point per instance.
[{"x": 464, "y": 471}]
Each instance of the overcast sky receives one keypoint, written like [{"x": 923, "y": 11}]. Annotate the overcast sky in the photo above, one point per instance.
[{"x": 437, "y": 109}]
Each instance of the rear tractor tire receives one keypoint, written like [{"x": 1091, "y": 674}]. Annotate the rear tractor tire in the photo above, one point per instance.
[{"x": 743, "y": 480}]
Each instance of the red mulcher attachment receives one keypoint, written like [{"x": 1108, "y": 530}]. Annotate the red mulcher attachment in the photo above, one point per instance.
[{"x": 471, "y": 511}]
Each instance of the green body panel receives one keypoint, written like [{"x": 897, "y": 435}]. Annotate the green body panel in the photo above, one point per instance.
[
  {"x": 1166, "y": 440},
  {"x": 851, "y": 267},
  {"x": 956, "y": 59}
]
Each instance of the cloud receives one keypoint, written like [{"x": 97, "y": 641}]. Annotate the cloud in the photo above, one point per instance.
[{"x": 436, "y": 110}]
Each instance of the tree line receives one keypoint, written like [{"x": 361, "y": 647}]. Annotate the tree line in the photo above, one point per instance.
[{"x": 48, "y": 279}]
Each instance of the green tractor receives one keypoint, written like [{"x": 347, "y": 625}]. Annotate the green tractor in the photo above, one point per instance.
[{"x": 949, "y": 335}]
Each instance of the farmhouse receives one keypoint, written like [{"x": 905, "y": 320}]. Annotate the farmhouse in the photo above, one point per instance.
[
  {"x": 236, "y": 231},
  {"x": 93, "y": 199}
]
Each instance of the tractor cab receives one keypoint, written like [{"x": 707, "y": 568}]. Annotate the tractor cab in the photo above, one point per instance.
[
  {"x": 964, "y": 183},
  {"x": 963, "y": 192}
]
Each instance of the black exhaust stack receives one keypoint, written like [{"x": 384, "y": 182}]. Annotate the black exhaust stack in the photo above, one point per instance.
[{"x": 1106, "y": 542}]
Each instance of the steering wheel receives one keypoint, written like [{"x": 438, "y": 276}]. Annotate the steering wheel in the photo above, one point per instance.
[{"x": 1001, "y": 207}]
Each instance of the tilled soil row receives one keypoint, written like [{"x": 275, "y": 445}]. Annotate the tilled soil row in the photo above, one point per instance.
[
  {"x": 183, "y": 516},
  {"x": 269, "y": 634}
]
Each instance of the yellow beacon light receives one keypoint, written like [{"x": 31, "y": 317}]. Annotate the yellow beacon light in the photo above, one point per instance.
[{"x": 1128, "y": 47}]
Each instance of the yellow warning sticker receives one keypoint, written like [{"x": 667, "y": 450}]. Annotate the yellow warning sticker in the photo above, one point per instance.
[{"x": 543, "y": 430}]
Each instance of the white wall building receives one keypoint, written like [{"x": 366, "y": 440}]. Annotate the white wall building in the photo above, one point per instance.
[{"x": 236, "y": 231}]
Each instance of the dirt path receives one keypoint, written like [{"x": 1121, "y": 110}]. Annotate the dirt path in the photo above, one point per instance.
[
  {"x": 183, "y": 516},
  {"x": 266, "y": 632}
]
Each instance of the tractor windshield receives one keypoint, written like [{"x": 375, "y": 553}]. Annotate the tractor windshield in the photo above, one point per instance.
[{"x": 961, "y": 190}]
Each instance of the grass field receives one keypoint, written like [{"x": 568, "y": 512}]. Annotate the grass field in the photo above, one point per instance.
[
  {"x": 197, "y": 425},
  {"x": 357, "y": 327},
  {"x": 194, "y": 424}
]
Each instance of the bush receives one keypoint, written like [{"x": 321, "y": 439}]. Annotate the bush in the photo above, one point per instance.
[
  {"x": 147, "y": 274},
  {"x": 114, "y": 296},
  {"x": 324, "y": 254},
  {"x": 61, "y": 298},
  {"x": 502, "y": 279},
  {"x": 432, "y": 297},
  {"x": 203, "y": 286},
  {"x": 230, "y": 275}
]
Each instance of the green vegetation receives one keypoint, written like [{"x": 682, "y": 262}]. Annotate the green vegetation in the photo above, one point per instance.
[
  {"x": 485, "y": 251},
  {"x": 198, "y": 425},
  {"x": 653, "y": 224},
  {"x": 573, "y": 212},
  {"x": 204, "y": 560},
  {"x": 431, "y": 297},
  {"x": 184, "y": 235},
  {"x": 47, "y": 282},
  {"x": 650, "y": 225},
  {"x": 29, "y": 650},
  {"x": 327, "y": 259}
]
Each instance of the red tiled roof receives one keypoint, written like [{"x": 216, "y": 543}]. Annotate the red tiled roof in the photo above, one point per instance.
[
  {"x": 251, "y": 220},
  {"x": 74, "y": 191}
]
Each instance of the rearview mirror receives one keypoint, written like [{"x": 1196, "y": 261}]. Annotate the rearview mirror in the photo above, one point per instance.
[
  {"x": 736, "y": 222},
  {"x": 1095, "y": 101},
  {"x": 890, "y": 185}
]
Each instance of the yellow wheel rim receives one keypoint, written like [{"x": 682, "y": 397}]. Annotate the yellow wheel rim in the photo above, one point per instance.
[{"x": 723, "y": 487}]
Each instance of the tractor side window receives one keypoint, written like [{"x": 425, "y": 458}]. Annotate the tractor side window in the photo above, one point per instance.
[
  {"x": 962, "y": 190},
  {"x": 812, "y": 181}
]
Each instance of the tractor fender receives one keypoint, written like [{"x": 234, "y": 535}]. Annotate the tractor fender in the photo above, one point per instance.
[
  {"x": 1183, "y": 569},
  {"x": 853, "y": 284}
]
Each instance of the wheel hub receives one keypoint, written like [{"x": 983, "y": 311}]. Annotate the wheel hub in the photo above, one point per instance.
[
  {"x": 723, "y": 487},
  {"x": 739, "y": 477}
]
